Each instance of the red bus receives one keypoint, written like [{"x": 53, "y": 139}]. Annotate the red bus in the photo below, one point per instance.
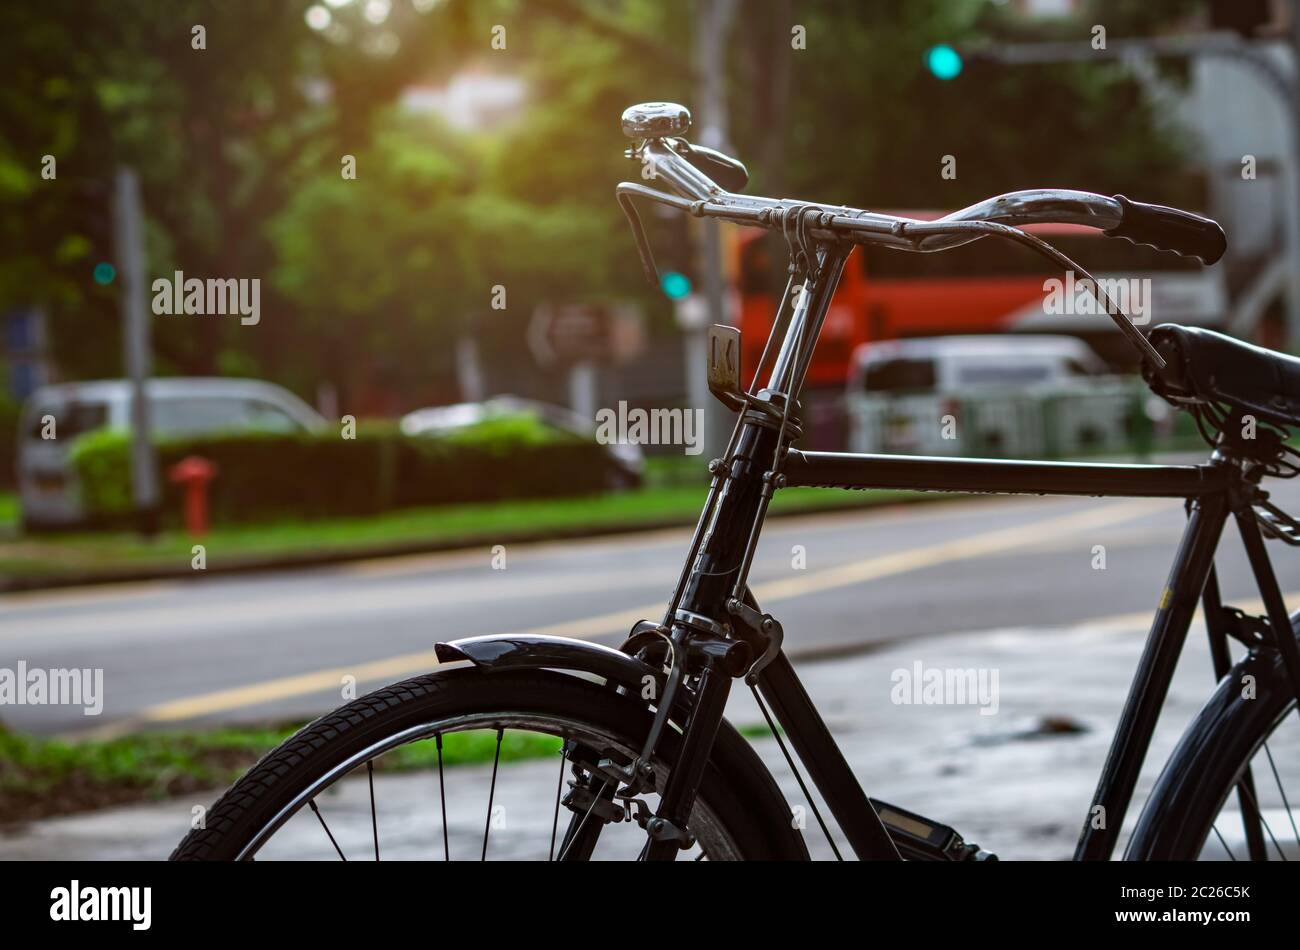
[{"x": 984, "y": 287}]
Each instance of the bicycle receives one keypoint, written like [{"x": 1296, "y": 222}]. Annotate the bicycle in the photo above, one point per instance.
[{"x": 653, "y": 765}]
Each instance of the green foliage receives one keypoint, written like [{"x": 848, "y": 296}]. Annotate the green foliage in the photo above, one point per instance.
[
  {"x": 367, "y": 282},
  {"x": 97, "y": 85},
  {"x": 869, "y": 125},
  {"x": 501, "y": 435},
  {"x": 101, "y": 460},
  {"x": 404, "y": 258},
  {"x": 264, "y": 475}
]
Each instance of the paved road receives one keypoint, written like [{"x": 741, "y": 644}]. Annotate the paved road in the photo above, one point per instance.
[
  {"x": 1000, "y": 779},
  {"x": 280, "y": 644}
]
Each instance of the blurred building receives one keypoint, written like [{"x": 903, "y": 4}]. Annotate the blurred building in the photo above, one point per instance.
[{"x": 1241, "y": 124}]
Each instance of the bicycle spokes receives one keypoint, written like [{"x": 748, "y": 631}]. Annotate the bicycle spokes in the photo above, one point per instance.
[{"x": 497, "y": 787}]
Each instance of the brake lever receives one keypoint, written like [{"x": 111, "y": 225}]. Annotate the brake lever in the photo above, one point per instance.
[
  {"x": 648, "y": 265},
  {"x": 628, "y": 190}
]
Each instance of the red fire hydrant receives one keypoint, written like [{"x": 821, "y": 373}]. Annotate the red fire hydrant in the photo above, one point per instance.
[{"x": 194, "y": 473}]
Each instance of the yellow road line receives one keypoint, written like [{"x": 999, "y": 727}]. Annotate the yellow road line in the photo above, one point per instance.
[
  {"x": 931, "y": 555},
  {"x": 814, "y": 582},
  {"x": 1141, "y": 619},
  {"x": 72, "y": 596},
  {"x": 392, "y": 667}
]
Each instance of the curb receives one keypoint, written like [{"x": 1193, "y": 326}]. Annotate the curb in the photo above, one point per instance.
[{"x": 248, "y": 565}]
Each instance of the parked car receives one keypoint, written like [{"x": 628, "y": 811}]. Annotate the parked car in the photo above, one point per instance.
[
  {"x": 49, "y": 492},
  {"x": 628, "y": 461},
  {"x": 978, "y": 395}
]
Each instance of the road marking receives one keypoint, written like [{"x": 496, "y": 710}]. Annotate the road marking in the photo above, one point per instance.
[
  {"x": 324, "y": 604},
  {"x": 522, "y": 552},
  {"x": 1141, "y": 619},
  {"x": 945, "y": 551},
  {"x": 72, "y": 596},
  {"x": 122, "y": 614},
  {"x": 814, "y": 520},
  {"x": 857, "y": 572},
  {"x": 390, "y": 668}
]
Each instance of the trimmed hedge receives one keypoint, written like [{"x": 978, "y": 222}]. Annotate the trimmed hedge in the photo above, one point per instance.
[{"x": 264, "y": 475}]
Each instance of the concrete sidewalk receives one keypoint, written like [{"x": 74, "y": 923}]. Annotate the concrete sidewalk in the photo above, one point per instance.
[{"x": 1017, "y": 780}]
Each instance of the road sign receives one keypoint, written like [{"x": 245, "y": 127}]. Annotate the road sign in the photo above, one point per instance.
[{"x": 568, "y": 334}]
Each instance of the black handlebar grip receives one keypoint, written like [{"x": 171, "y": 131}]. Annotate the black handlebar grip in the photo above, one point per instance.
[{"x": 1168, "y": 229}]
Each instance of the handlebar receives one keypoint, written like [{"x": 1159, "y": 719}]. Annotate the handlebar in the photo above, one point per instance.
[
  {"x": 1170, "y": 230},
  {"x": 1166, "y": 229},
  {"x": 668, "y": 158}
]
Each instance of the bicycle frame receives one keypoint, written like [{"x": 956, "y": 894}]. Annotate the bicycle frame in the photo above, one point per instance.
[
  {"x": 712, "y": 600},
  {"x": 712, "y": 607}
]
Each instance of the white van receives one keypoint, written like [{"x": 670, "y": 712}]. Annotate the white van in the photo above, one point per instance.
[
  {"x": 47, "y": 485},
  {"x": 995, "y": 395}
]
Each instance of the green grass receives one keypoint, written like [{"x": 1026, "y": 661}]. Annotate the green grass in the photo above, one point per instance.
[
  {"x": 9, "y": 511},
  {"x": 149, "y": 760},
  {"x": 488, "y": 523},
  {"x": 40, "y": 777},
  {"x": 758, "y": 730},
  {"x": 475, "y": 747}
]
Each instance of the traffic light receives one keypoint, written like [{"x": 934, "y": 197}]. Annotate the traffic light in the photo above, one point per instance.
[
  {"x": 675, "y": 284},
  {"x": 943, "y": 61},
  {"x": 676, "y": 254},
  {"x": 94, "y": 240}
]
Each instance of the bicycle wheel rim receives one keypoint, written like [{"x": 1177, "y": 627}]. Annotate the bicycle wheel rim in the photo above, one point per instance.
[{"x": 714, "y": 840}]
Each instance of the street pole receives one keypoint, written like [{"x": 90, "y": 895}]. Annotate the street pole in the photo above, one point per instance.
[
  {"x": 129, "y": 238},
  {"x": 713, "y": 19},
  {"x": 584, "y": 388},
  {"x": 469, "y": 369},
  {"x": 1225, "y": 46}
]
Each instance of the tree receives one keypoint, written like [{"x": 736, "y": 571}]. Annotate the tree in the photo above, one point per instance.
[
  {"x": 871, "y": 126},
  {"x": 239, "y": 147},
  {"x": 206, "y": 121}
]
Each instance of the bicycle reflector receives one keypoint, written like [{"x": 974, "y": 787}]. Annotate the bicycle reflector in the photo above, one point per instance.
[{"x": 943, "y": 61}]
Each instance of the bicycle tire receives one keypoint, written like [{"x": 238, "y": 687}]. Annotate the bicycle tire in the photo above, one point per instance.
[
  {"x": 736, "y": 787},
  {"x": 1211, "y": 757}
]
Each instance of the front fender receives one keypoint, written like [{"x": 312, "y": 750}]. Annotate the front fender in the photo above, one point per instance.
[
  {"x": 523, "y": 651},
  {"x": 731, "y": 754}
]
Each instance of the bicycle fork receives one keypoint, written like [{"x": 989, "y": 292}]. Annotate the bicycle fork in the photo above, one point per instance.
[{"x": 667, "y": 829}]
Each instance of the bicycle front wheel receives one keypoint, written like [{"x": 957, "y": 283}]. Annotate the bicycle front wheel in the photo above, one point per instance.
[{"x": 510, "y": 771}]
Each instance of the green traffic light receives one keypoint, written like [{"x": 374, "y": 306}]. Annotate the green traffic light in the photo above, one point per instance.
[
  {"x": 943, "y": 61},
  {"x": 104, "y": 272},
  {"x": 675, "y": 285}
]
